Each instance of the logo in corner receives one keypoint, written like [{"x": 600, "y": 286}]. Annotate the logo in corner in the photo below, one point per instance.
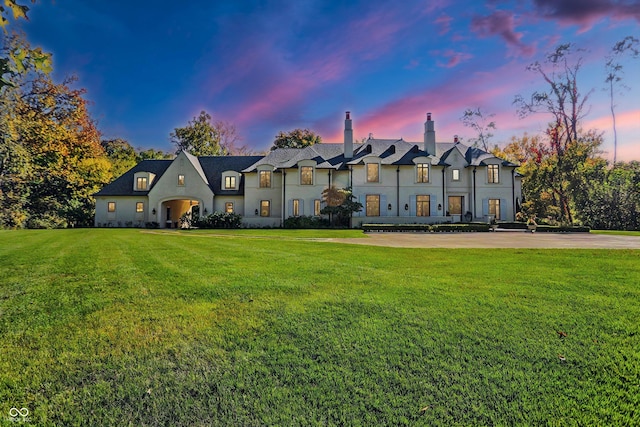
[{"x": 14, "y": 413}]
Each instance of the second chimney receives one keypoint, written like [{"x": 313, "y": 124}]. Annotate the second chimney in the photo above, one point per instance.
[
  {"x": 429, "y": 136},
  {"x": 348, "y": 137}
]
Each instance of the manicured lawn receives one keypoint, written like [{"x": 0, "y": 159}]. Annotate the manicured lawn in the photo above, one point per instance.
[{"x": 126, "y": 327}]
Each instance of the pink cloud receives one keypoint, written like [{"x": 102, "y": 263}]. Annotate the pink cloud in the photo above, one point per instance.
[
  {"x": 453, "y": 58},
  {"x": 587, "y": 12},
  {"x": 502, "y": 23},
  {"x": 444, "y": 22}
]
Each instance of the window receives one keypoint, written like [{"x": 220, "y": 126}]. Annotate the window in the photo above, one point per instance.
[
  {"x": 455, "y": 205},
  {"x": 423, "y": 172},
  {"x": 229, "y": 182},
  {"x": 373, "y": 172},
  {"x": 455, "y": 174},
  {"x": 139, "y": 207},
  {"x": 306, "y": 175},
  {"x": 296, "y": 207},
  {"x": 265, "y": 208},
  {"x": 423, "y": 206},
  {"x": 141, "y": 183},
  {"x": 373, "y": 205},
  {"x": 265, "y": 179},
  {"x": 111, "y": 207},
  {"x": 228, "y": 207},
  {"x": 180, "y": 180},
  {"x": 316, "y": 207},
  {"x": 492, "y": 170},
  {"x": 494, "y": 208}
]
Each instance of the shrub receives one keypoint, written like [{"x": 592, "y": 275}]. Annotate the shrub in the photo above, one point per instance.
[
  {"x": 152, "y": 224},
  {"x": 219, "y": 220},
  {"x": 461, "y": 227},
  {"x": 306, "y": 222}
]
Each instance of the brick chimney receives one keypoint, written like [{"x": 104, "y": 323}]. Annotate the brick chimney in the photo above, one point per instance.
[
  {"x": 429, "y": 136},
  {"x": 348, "y": 137}
]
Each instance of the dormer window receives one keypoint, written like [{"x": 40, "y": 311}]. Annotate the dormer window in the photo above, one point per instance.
[
  {"x": 229, "y": 182},
  {"x": 373, "y": 172},
  {"x": 265, "y": 179},
  {"x": 306, "y": 175},
  {"x": 141, "y": 183},
  {"x": 422, "y": 171},
  {"x": 493, "y": 174}
]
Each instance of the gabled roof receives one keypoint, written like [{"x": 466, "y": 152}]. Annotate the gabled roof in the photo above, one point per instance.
[
  {"x": 123, "y": 186},
  {"x": 213, "y": 166}
]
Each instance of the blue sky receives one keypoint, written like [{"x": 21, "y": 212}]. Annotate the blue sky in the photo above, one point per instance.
[{"x": 267, "y": 66}]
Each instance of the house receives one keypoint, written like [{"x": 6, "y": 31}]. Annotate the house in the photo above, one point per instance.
[{"x": 395, "y": 180}]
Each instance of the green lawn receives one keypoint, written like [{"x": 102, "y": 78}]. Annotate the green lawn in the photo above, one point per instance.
[
  {"x": 127, "y": 327},
  {"x": 617, "y": 232}
]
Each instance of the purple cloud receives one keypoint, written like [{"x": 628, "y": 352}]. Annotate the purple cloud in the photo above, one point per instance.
[
  {"x": 502, "y": 23},
  {"x": 453, "y": 58},
  {"x": 586, "y": 12}
]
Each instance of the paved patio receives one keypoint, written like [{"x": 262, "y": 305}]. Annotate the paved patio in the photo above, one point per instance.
[{"x": 498, "y": 239}]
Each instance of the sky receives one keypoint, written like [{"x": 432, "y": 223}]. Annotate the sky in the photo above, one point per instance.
[{"x": 269, "y": 66}]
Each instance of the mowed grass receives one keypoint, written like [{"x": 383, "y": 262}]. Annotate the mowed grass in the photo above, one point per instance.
[{"x": 126, "y": 327}]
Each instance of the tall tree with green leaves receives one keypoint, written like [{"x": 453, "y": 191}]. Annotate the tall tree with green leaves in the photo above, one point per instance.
[
  {"x": 297, "y": 138},
  {"x": 200, "y": 137},
  {"x": 564, "y": 102}
]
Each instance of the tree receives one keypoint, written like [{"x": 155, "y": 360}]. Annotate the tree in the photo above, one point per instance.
[
  {"x": 297, "y": 138},
  {"x": 203, "y": 138},
  {"x": 340, "y": 204},
  {"x": 614, "y": 75},
  {"x": 151, "y": 154},
  {"x": 121, "y": 154},
  {"x": 479, "y": 122},
  {"x": 564, "y": 102},
  {"x": 17, "y": 60}
]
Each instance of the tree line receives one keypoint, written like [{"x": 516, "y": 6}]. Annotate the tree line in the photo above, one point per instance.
[{"x": 52, "y": 156}]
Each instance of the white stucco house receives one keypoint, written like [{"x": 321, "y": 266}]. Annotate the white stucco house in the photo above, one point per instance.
[{"x": 395, "y": 180}]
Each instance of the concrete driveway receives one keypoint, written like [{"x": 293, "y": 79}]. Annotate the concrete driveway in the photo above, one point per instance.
[{"x": 498, "y": 239}]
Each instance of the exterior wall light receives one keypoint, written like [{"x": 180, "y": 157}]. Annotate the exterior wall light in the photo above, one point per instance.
[
  {"x": 406, "y": 206},
  {"x": 439, "y": 207},
  {"x": 153, "y": 211},
  {"x": 256, "y": 212},
  {"x": 389, "y": 206}
]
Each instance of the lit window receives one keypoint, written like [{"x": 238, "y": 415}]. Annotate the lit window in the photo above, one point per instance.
[
  {"x": 181, "y": 180},
  {"x": 423, "y": 205},
  {"x": 265, "y": 208},
  {"x": 265, "y": 179},
  {"x": 316, "y": 207},
  {"x": 229, "y": 182},
  {"x": 296, "y": 207},
  {"x": 423, "y": 172},
  {"x": 141, "y": 183},
  {"x": 373, "y": 172},
  {"x": 373, "y": 205},
  {"x": 228, "y": 207},
  {"x": 111, "y": 207},
  {"x": 455, "y": 174},
  {"x": 492, "y": 170},
  {"x": 139, "y": 207},
  {"x": 306, "y": 175},
  {"x": 494, "y": 208}
]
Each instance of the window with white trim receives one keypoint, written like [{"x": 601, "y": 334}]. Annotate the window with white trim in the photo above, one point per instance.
[
  {"x": 111, "y": 207},
  {"x": 423, "y": 205},
  {"x": 265, "y": 208},
  {"x": 493, "y": 174},
  {"x": 494, "y": 208},
  {"x": 181, "y": 180},
  {"x": 228, "y": 207},
  {"x": 229, "y": 182},
  {"x": 373, "y": 205},
  {"x": 373, "y": 172},
  {"x": 316, "y": 207},
  {"x": 455, "y": 174},
  {"x": 139, "y": 207},
  {"x": 422, "y": 171},
  {"x": 265, "y": 179},
  {"x": 141, "y": 183},
  {"x": 306, "y": 175}
]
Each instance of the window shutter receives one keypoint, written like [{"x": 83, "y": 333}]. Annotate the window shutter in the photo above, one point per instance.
[
  {"x": 503, "y": 209},
  {"x": 383, "y": 205},
  {"x": 301, "y": 206},
  {"x": 412, "y": 205},
  {"x": 290, "y": 204},
  {"x": 433, "y": 201},
  {"x": 485, "y": 206},
  {"x": 363, "y": 201}
]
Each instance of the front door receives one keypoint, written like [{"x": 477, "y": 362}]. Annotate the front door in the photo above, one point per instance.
[{"x": 455, "y": 205}]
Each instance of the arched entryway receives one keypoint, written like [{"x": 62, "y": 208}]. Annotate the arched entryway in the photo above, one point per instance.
[{"x": 171, "y": 211}]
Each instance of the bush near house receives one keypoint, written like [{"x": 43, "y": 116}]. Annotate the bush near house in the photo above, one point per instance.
[
  {"x": 305, "y": 222},
  {"x": 219, "y": 220}
]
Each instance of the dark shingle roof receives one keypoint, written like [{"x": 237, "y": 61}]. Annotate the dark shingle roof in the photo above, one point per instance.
[
  {"x": 213, "y": 167},
  {"x": 123, "y": 186}
]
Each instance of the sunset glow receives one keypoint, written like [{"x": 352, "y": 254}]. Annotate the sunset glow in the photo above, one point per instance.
[{"x": 275, "y": 66}]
